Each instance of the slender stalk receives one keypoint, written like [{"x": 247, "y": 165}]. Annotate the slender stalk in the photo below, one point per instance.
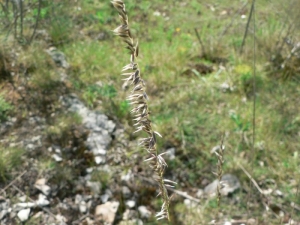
[
  {"x": 36, "y": 21},
  {"x": 247, "y": 27},
  {"x": 21, "y": 18},
  {"x": 220, "y": 155},
  {"x": 201, "y": 43},
  {"x": 138, "y": 99},
  {"x": 15, "y": 12}
]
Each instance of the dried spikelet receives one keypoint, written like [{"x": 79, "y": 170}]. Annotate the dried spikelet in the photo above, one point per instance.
[{"x": 138, "y": 99}]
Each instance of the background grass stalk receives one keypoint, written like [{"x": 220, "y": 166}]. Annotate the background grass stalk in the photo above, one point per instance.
[
  {"x": 220, "y": 155},
  {"x": 138, "y": 98}
]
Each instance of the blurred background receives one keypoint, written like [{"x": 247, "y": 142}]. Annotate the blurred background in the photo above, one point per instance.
[{"x": 68, "y": 152}]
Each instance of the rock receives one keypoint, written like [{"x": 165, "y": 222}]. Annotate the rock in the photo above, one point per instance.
[
  {"x": 37, "y": 139},
  {"x": 61, "y": 219},
  {"x": 3, "y": 213},
  {"x": 45, "y": 189},
  {"x": 144, "y": 212},
  {"x": 127, "y": 176},
  {"x": 87, "y": 177},
  {"x": 99, "y": 151},
  {"x": 63, "y": 205},
  {"x": 199, "y": 193},
  {"x": 230, "y": 184},
  {"x": 87, "y": 197},
  {"x": 35, "y": 119},
  {"x": 57, "y": 158},
  {"x": 23, "y": 214},
  {"x": 100, "y": 160},
  {"x": 89, "y": 221},
  {"x": 83, "y": 207},
  {"x": 40, "y": 184},
  {"x": 94, "y": 186},
  {"x": 23, "y": 205},
  {"x": 126, "y": 192},
  {"x": 106, "y": 212},
  {"x": 4, "y": 207},
  {"x": 89, "y": 170},
  {"x": 42, "y": 201},
  {"x": 89, "y": 204},
  {"x": 58, "y": 57},
  {"x": 78, "y": 199},
  {"x": 30, "y": 147},
  {"x": 130, "y": 204},
  {"x": 129, "y": 214},
  {"x": 23, "y": 198},
  {"x": 225, "y": 87},
  {"x": 57, "y": 149},
  {"x": 99, "y": 126},
  {"x": 211, "y": 188},
  {"x": 105, "y": 197},
  {"x": 97, "y": 141},
  {"x": 32, "y": 143}
]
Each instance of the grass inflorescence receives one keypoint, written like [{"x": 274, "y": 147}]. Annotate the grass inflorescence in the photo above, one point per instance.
[{"x": 138, "y": 98}]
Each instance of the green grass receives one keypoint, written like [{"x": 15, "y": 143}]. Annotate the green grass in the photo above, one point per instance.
[
  {"x": 10, "y": 160},
  {"x": 63, "y": 123},
  {"x": 5, "y": 108},
  {"x": 191, "y": 113}
]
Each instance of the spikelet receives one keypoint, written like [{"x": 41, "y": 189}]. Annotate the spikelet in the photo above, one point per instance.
[{"x": 138, "y": 99}]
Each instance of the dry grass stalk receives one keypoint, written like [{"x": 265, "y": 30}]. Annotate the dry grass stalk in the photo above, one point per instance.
[
  {"x": 138, "y": 99},
  {"x": 220, "y": 155}
]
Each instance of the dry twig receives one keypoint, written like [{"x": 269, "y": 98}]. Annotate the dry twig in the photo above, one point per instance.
[{"x": 11, "y": 183}]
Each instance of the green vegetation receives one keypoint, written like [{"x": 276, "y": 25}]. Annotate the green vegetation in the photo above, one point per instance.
[
  {"x": 190, "y": 109},
  {"x": 5, "y": 108},
  {"x": 63, "y": 123},
  {"x": 10, "y": 160}
]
